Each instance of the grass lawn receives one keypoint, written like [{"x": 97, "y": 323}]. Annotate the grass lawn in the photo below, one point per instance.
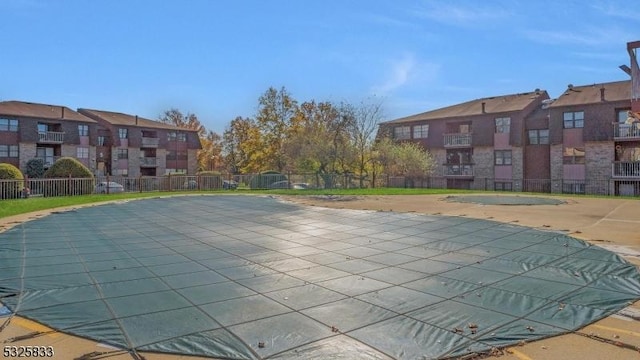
[{"x": 23, "y": 206}]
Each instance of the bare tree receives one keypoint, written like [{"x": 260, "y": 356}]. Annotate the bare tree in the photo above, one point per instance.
[{"x": 363, "y": 122}]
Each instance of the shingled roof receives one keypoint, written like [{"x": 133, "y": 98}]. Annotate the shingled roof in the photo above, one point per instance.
[
  {"x": 41, "y": 111},
  {"x": 591, "y": 94},
  {"x": 495, "y": 104},
  {"x": 116, "y": 118}
]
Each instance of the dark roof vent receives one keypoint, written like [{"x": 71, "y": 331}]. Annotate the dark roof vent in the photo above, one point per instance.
[
  {"x": 570, "y": 86},
  {"x": 602, "y": 93},
  {"x": 484, "y": 107}
]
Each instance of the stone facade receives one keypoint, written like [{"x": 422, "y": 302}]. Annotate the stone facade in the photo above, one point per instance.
[
  {"x": 598, "y": 159},
  {"x": 27, "y": 151},
  {"x": 134, "y": 162},
  {"x": 192, "y": 161},
  {"x": 556, "y": 168},
  {"x": 439, "y": 158},
  {"x": 517, "y": 166},
  {"x": 483, "y": 168},
  {"x": 161, "y": 158},
  {"x": 483, "y": 162}
]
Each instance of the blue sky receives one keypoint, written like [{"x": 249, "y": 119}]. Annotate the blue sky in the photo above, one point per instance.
[{"x": 215, "y": 58}]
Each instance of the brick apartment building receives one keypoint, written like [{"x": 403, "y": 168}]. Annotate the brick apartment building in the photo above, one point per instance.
[
  {"x": 107, "y": 143},
  {"x": 129, "y": 145},
  {"x": 592, "y": 139},
  {"x": 585, "y": 141},
  {"x": 47, "y": 132},
  {"x": 476, "y": 140}
]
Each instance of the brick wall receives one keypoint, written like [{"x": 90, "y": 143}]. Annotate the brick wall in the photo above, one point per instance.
[
  {"x": 517, "y": 167},
  {"x": 556, "y": 167},
  {"x": 598, "y": 158},
  {"x": 27, "y": 151},
  {"x": 134, "y": 162},
  {"x": 439, "y": 157},
  {"x": 192, "y": 161},
  {"x": 161, "y": 158},
  {"x": 483, "y": 162}
]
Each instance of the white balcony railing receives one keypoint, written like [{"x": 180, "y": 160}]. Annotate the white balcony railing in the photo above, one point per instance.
[
  {"x": 626, "y": 131},
  {"x": 148, "y": 161},
  {"x": 51, "y": 137},
  {"x": 623, "y": 169},
  {"x": 150, "y": 142},
  {"x": 457, "y": 140},
  {"x": 458, "y": 170}
]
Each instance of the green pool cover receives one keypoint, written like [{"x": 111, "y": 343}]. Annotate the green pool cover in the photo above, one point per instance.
[
  {"x": 246, "y": 277},
  {"x": 504, "y": 200}
]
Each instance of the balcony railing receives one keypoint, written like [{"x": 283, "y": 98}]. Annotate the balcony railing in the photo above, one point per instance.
[
  {"x": 48, "y": 160},
  {"x": 150, "y": 142},
  {"x": 51, "y": 137},
  {"x": 148, "y": 161},
  {"x": 622, "y": 169},
  {"x": 458, "y": 170},
  {"x": 457, "y": 140},
  {"x": 626, "y": 131}
]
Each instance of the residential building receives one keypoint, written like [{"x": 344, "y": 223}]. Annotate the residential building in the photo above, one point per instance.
[
  {"x": 593, "y": 139},
  {"x": 128, "y": 145},
  {"x": 477, "y": 144},
  {"x": 30, "y": 130}
]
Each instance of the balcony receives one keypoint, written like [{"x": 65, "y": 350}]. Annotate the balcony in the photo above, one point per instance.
[
  {"x": 50, "y": 137},
  {"x": 625, "y": 170},
  {"x": 148, "y": 162},
  {"x": 626, "y": 131},
  {"x": 457, "y": 140},
  {"x": 458, "y": 170},
  {"x": 48, "y": 160},
  {"x": 149, "y": 142}
]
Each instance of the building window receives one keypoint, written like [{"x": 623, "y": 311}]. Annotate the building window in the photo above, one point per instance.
[
  {"x": 121, "y": 172},
  {"x": 503, "y": 125},
  {"x": 539, "y": 137},
  {"x": 123, "y": 133},
  {"x": 9, "y": 125},
  {"x": 402, "y": 132},
  {"x": 573, "y": 119},
  {"x": 82, "y": 153},
  {"x": 503, "y": 157},
  {"x": 622, "y": 115},
  {"x": 176, "y": 155},
  {"x": 503, "y": 186},
  {"x": 421, "y": 131},
  {"x": 83, "y": 130},
  {"x": 101, "y": 140},
  {"x": 171, "y": 136},
  {"x": 123, "y": 153},
  {"x": 182, "y": 137},
  {"x": 573, "y": 155},
  {"x": 175, "y": 171},
  {"x": 9, "y": 151}
]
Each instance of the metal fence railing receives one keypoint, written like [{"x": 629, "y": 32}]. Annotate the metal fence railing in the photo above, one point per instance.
[{"x": 10, "y": 189}]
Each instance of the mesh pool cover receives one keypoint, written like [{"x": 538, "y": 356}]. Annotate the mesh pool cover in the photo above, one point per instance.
[
  {"x": 504, "y": 200},
  {"x": 245, "y": 277}
]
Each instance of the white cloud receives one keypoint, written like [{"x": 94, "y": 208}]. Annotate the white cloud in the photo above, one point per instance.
[
  {"x": 620, "y": 10},
  {"x": 404, "y": 71},
  {"x": 472, "y": 14},
  {"x": 589, "y": 36}
]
